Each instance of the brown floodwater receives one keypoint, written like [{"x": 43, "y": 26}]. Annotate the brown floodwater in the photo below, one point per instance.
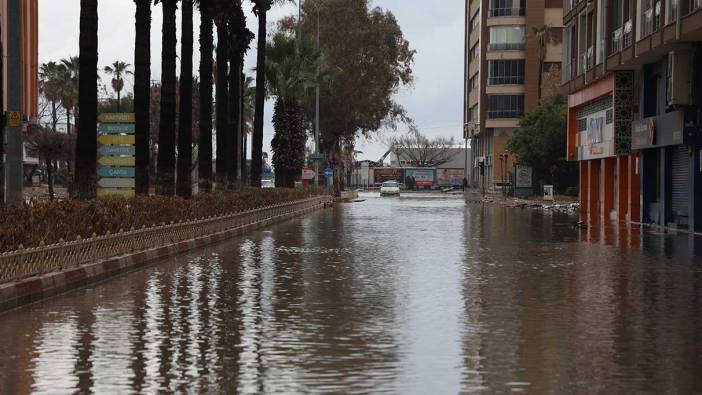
[{"x": 421, "y": 294}]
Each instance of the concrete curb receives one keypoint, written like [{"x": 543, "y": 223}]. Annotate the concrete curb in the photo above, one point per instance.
[{"x": 33, "y": 289}]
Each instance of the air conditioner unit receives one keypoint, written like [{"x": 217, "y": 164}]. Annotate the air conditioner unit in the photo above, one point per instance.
[{"x": 679, "y": 78}]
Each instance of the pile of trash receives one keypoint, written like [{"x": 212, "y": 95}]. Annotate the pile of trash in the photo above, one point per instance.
[{"x": 567, "y": 208}]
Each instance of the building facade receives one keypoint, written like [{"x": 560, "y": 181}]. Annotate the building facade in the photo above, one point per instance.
[
  {"x": 507, "y": 70},
  {"x": 632, "y": 70}
]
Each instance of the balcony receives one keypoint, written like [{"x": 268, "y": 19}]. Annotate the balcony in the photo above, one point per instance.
[
  {"x": 498, "y": 12},
  {"x": 506, "y": 46},
  {"x": 506, "y": 80},
  {"x": 505, "y": 114},
  {"x": 617, "y": 40},
  {"x": 628, "y": 37},
  {"x": 695, "y": 4}
]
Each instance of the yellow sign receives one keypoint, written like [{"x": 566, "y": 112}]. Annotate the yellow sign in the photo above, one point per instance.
[
  {"x": 117, "y": 117},
  {"x": 117, "y": 161},
  {"x": 108, "y": 139},
  {"x": 15, "y": 119},
  {"x": 114, "y": 192}
]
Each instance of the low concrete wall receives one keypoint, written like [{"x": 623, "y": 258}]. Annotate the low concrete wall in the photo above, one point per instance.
[{"x": 32, "y": 289}]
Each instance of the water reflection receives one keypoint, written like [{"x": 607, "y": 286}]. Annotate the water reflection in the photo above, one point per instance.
[{"x": 414, "y": 295}]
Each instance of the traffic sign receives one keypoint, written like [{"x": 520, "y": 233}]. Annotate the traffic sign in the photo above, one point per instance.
[
  {"x": 15, "y": 119},
  {"x": 122, "y": 117},
  {"x": 117, "y": 150},
  {"x": 117, "y": 161},
  {"x": 308, "y": 174},
  {"x": 328, "y": 173},
  {"x": 116, "y": 172},
  {"x": 116, "y": 128},
  {"x": 116, "y": 182},
  {"x": 125, "y": 193},
  {"x": 317, "y": 158},
  {"x": 116, "y": 139}
]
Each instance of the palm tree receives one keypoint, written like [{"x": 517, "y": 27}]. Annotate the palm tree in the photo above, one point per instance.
[
  {"x": 49, "y": 74},
  {"x": 142, "y": 94},
  {"x": 293, "y": 68},
  {"x": 221, "y": 101},
  {"x": 68, "y": 82},
  {"x": 205, "y": 145},
  {"x": 260, "y": 9},
  {"x": 185, "y": 122},
  {"x": 118, "y": 69},
  {"x": 86, "y": 144},
  {"x": 165, "y": 173},
  {"x": 543, "y": 36}
]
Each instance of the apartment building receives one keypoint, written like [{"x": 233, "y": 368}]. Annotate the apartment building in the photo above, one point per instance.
[
  {"x": 504, "y": 58},
  {"x": 632, "y": 70}
]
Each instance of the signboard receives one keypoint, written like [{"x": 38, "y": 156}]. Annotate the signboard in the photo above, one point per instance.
[
  {"x": 124, "y": 117},
  {"x": 524, "y": 177},
  {"x": 382, "y": 174},
  {"x": 329, "y": 173},
  {"x": 109, "y": 139},
  {"x": 317, "y": 158},
  {"x": 117, "y": 128},
  {"x": 661, "y": 131},
  {"x": 116, "y": 134},
  {"x": 420, "y": 177},
  {"x": 548, "y": 192},
  {"x": 308, "y": 174},
  {"x": 14, "y": 119}
]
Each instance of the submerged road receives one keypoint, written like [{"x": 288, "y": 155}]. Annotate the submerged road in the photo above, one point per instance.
[{"x": 420, "y": 294}]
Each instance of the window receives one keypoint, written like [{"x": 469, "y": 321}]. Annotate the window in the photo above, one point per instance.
[
  {"x": 474, "y": 52},
  {"x": 672, "y": 8},
  {"x": 508, "y": 38},
  {"x": 475, "y": 82},
  {"x": 505, "y": 106},
  {"x": 474, "y": 113},
  {"x": 507, "y": 8},
  {"x": 475, "y": 21},
  {"x": 505, "y": 72}
]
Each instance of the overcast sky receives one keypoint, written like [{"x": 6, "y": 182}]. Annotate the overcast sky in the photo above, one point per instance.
[{"x": 433, "y": 28}]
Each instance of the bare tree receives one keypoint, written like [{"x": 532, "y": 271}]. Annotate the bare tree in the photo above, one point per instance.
[{"x": 422, "y": 151}]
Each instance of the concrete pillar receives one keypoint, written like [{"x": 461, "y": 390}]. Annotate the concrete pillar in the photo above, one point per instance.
[
  {"x": 584, "y": 190},
  {"x": 623, "y": 185},
  {"x": 594, "y": 210},
  {"x": 607, "y": 181},
  {"x": 634, "y": 180}
]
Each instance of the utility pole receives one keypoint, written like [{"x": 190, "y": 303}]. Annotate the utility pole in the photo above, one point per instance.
[{"x": 13, "y": 128}]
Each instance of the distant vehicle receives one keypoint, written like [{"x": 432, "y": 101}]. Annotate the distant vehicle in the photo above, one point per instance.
[
  {"x": 267, "y": 184},
  {"x": 390, "y": 188}
]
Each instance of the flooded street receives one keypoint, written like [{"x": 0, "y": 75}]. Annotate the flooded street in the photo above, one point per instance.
[{"x": 420, "y": 294}]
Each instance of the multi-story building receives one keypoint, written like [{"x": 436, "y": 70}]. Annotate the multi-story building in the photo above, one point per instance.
[
  {"x": 504, "y": 58},
  {"x": 633, "y": 74}
]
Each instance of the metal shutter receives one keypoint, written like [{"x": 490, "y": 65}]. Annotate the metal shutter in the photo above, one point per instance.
[{"x": 680, "y": 177}]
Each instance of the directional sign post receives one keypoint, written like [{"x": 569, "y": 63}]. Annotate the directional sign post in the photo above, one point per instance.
[{"x": 116, "y": 136}]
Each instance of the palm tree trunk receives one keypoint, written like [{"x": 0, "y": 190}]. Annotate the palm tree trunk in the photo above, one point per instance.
[
  {"x": 234, "y": 105},
  {"x": 68, "y": 120},
  {"x": 142, "y": 94},
  {"x": 257, "y": 149},
  {"x": 185, "y": 124},
  {"x": 2, "y": 129},
  {"x": 541, "y": 70},
  {"x": 222, "y": 104},
  {"x": 50, "y": 175},
  {"x": 206, "y": 47},
  {"x": 86, "y": 144},
  {"x": 165, "y": 173},
  {"x": 54, "y": 116}
]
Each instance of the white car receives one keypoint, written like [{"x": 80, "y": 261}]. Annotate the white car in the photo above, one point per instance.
[{"x": 390, "y": 188}]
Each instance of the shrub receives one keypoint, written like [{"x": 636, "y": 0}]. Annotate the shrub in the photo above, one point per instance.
[
  {"x": 32, "y": 224},
  {"x": 572, "y": 191}
]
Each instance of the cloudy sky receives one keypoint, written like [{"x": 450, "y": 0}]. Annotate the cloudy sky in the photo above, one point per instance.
[{"x": 433, "y": 28}]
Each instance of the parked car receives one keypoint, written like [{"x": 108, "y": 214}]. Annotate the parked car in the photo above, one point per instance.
[{"x": 390, "y": 188}]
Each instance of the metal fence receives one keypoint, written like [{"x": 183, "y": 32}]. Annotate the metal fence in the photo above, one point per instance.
[{"x": 16, "y": 265}]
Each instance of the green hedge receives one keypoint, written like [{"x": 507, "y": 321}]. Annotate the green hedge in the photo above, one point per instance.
[{"x": 30, "y": 225}]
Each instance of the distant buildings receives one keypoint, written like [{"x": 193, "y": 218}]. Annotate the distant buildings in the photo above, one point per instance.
[
  {"x": 633, "y": 75},
  {"x": 503, "y": 62}
]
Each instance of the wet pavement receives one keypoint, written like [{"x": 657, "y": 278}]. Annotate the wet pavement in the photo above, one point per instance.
[{"x": 421, "y": 294}]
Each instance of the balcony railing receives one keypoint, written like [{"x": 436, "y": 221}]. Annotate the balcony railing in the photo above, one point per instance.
[
  {"x": 506, "y": 47},
  {"x": 506, "y": 80},
  {"x": 628, "y": 36},
  {"x": 500, "y": 114},
  {"x": 695, "y": 4},
  {"x": 497, "y": 12},
  {"x": 647, "y": 23},
  {"x": 617, "y": 40}
]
